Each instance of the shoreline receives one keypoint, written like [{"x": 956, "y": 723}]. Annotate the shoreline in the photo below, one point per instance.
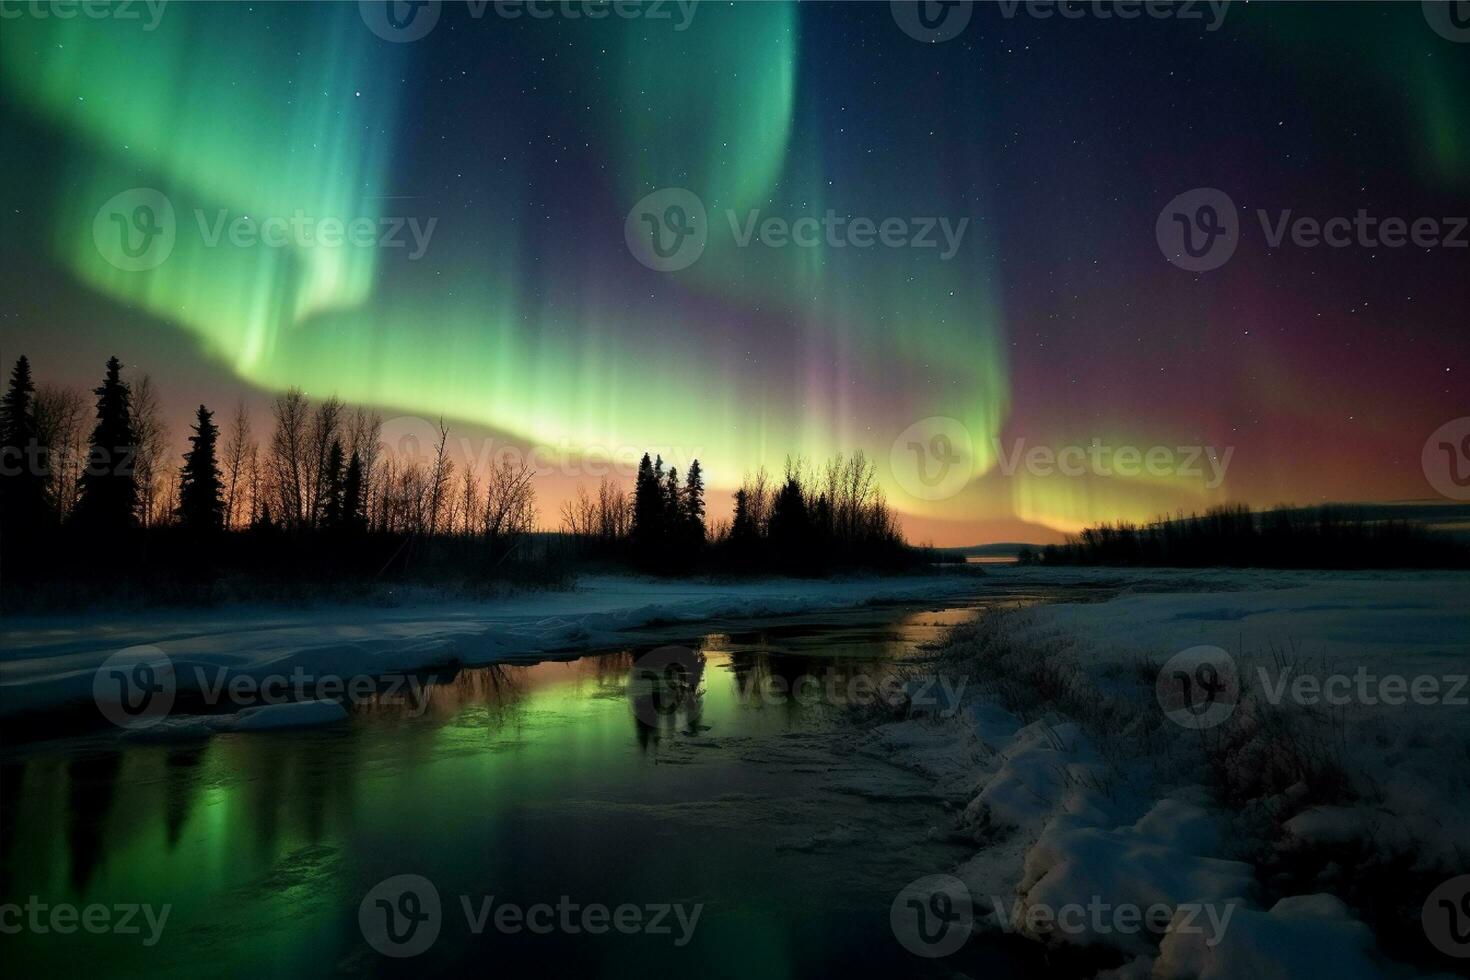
[{"x": 1294, "y": 835}]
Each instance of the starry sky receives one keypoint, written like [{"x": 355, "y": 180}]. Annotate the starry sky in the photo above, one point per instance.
[{"x": 522, "y": 145}]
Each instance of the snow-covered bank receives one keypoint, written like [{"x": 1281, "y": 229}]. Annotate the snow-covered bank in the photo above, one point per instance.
[
  {"x": 48, "y": 661},
  {"x": 1299, "y": 833}
]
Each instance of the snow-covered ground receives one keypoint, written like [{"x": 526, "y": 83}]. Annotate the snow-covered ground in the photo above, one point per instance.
[
  {"x": 48, "y": 661},
  {"x": 1098, "y": 813}
]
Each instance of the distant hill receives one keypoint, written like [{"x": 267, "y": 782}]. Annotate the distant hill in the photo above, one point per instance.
[{"x": 1000, "y": 549}]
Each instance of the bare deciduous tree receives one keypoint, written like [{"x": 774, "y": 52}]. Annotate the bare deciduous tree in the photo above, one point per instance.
[
  {"x": 239, "y": 449},
  {"x": 510, "y": 504},
  {"x": 61, "y": 424},
  {"x": 287, "y": 462},
  {"x": 439, "y": 479},
  {"x": 150, "y": 435},
  {"x": 469, "y": 492},
  {"x": 326, "y": 425}
]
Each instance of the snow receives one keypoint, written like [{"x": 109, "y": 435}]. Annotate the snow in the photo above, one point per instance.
[
  {"x": 1059, "y": 818},
  {"x": 260, "y": 718},
  {"x": 47, "y": 661},
  {"x": 1301, "y": 936},
  {"x": 1062, "y": 820}
]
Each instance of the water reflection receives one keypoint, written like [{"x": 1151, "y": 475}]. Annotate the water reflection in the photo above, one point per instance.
[{"x": 536, "y": 779}]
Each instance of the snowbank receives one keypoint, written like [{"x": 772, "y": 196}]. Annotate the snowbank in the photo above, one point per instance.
[
  {"x": 1098, "y": 830},
  {"x": 52, "y": 660}
]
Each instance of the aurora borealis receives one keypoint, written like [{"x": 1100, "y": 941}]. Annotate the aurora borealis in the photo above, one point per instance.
[{"x": 527, "y": 140}]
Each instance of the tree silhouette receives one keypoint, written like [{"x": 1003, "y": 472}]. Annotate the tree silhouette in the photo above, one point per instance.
[
  {"x": 673, "y": 506},
  {"x": 351, "y": 513},
  {"x": 23, "y": 463},
  {"x": 790, "y": 529},
  {"x": 331, "y": 490},
  {"x": 109, "y": 491},
  {"x": 648, "y": 512},
  {"x": 694, "y": 504},
  {"x": 201, "y": 492}
]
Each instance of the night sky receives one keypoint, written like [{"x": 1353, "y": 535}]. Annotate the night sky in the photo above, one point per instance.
[{"x": 1057, "y": 320}]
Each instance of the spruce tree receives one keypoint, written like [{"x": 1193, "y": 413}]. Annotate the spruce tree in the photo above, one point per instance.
[
  {"x": 22, "y": 457},
  {"x": 673, "y": 504},
  {"x": 790, "y": 530},
  {"x": 694, "y": 503},
  {"x": 109, "y": 490},
  {"x": 201, "y": 501},
  {"x": 648, "y": 512},
  {"x": 352, "y": 494},
  {"x": 330, "y": 506}
]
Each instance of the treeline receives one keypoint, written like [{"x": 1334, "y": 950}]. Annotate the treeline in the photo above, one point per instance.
[
  {"x": 320, "y": 499},
  {"x": 1329, "y": 537},
  {"x": 818, "y": 519}
]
